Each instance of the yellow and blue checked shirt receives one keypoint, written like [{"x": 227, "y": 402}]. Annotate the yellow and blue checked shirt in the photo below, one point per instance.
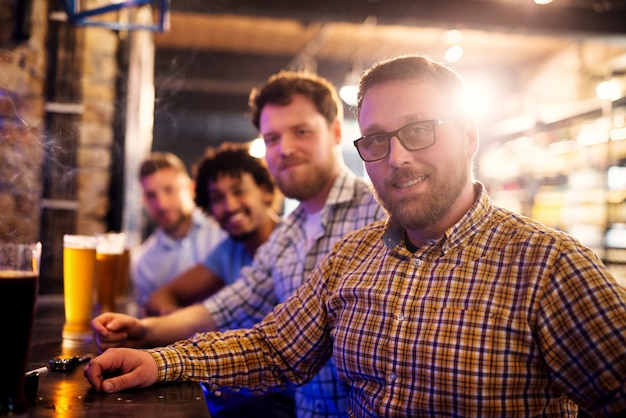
[{"x": 502, "y": 316}]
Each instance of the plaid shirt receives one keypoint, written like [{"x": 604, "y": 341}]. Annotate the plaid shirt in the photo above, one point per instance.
[
  {"x": 281, "y": 265},
  {"x": 502, "y": 316}
]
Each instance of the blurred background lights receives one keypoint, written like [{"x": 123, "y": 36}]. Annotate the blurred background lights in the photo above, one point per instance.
[
  {"x": 348, "y": 94},
  {"x": 609, "y": 90},
  {"x": 257, "y": 148},
  {"x": 480, "y": 96},
  {"x": 349, "y": 90},
  {"x": 454, "y": 53},
  {"x": 453, "y": 38}
]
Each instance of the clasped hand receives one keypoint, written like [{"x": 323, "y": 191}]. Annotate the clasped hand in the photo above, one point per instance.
[{"x": 118, "y": 330}]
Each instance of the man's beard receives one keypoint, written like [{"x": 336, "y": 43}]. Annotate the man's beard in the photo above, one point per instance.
[
  {"x": 301, "y": 190},
  {"x": 176, "y": 225},
  {"x": 421, "y": 211},
  {"x": 294, "y": 186}
]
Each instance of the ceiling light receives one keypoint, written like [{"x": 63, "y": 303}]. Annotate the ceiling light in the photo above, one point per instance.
[
  {"x": 609, "y": 90},
  {"x": 453, "y": 36},
  {"x": 350, "y": 89},
  {"x": 348, "y": 94},
  {"x": 257, "y": 148},
  {"x": 454, "y": 53},
  {"x": 542, "y": 2}
]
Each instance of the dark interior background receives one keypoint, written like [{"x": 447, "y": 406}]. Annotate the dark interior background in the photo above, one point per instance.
[{"x": 215, "y": 51}]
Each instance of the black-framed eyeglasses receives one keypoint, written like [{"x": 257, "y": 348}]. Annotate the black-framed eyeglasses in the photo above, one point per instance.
[{"x": 414, "y": 137}]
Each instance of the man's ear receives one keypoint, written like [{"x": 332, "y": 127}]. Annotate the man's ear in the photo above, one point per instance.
[
  {"x": 471, "y": 132},
  {"x": 336, "y": 130}
]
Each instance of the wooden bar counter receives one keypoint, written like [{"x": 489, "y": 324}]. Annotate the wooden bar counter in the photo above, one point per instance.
[{"x": 68, "y": 394}]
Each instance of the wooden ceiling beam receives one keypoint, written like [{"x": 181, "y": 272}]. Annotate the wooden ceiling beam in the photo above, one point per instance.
[{"x": 522, "y": 16}]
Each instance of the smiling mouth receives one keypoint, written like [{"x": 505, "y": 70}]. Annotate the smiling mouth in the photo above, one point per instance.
[
  {"x": 410, "y": 183},
  {"x": 236, "y": 218}
]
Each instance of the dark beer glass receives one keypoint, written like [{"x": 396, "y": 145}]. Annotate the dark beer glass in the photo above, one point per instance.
[{"x": 19, "y": 273}]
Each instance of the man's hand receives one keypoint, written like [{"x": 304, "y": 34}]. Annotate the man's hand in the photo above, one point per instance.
[
  {"x": 118, "y": 330},
  {"x": 118, "y": 369}
]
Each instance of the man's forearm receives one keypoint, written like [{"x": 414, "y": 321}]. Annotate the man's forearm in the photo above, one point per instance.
[{"x": 179, "y": 325}]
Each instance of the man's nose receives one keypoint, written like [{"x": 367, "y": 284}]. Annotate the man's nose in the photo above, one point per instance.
[
  {"x": 287, "y": 144},
  {"x": 398, "y": 154},
  {"x": 231, "y": 203}
]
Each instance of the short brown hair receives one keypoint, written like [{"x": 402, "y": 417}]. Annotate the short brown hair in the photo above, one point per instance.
[
  {"x": 281, "y": 88},
  {"x": 160, "y": 160},
  {"x": 413, "y": 68}
]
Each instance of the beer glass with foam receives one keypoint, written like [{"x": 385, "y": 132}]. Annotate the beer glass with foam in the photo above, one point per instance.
[
  {"x": 19, "y": 273},
  {"x": 79, "y": 263},
  {"x": 109, "y": 268}
]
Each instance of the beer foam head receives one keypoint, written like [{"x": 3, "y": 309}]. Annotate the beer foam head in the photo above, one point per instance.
[
  {"x": 79, "y": 241},
  {"x": 110, "y": 243}
]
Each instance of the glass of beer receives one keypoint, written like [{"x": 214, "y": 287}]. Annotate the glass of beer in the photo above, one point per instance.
[
  {"x": 19, "y": 273},
  {"x": 79, "y": 263},
  {"x": 110, "y": 272}
]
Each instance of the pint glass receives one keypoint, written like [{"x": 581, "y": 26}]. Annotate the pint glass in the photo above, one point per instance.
[
  {"x": 79, "y": 261},
  {"x": 109, "y": 268},
  {"x": 19, "y": 272}
]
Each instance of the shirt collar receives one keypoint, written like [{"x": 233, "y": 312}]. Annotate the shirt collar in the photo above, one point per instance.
[
  {"x": 458, "y": 233},
  {"x": 343, "y": 188},
  {"x": 342, "y": 191},
  {"x": 198, "y": 219}
]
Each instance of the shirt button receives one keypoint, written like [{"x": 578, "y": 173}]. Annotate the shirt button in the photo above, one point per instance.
[
  {"x": 392, "y": 377},
  {"x": 400, "y": 317},
  {"x": 417, "y": 262}
]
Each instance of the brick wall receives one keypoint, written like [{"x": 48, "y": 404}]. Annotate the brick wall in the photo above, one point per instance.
[
  {"x": 22, "y": 75},
  {"x": 57, "y": 112}
]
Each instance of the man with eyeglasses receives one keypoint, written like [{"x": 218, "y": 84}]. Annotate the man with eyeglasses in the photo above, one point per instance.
[{"x": 451, "y": 307}]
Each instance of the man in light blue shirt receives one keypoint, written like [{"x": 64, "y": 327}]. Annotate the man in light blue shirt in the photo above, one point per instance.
[{"x": 183, "y": 236}]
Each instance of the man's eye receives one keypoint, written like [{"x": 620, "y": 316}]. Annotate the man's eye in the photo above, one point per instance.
[
  {"x": 417, "y": 130},
  {"x": 373, "y": 140},
  {"x": 269, "y": 140}
]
